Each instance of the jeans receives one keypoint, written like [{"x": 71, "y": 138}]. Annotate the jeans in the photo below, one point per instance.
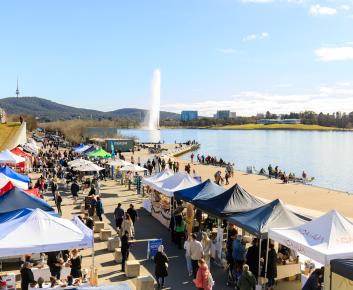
[
  {"x": 188, "y": 264},
  {"x": 271, "y": 282}
]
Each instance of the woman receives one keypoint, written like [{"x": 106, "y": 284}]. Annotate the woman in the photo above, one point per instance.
[
  {"x": 204, "y": 280},
  {"x": 99, "y": 208},
  {"x": 247, "y": 280},
  {"x": 161, "y": 269},
  {"x": 271, "y": 266},
  {"x": 75, "y": 264},
  {"x": 179, "y": 230},
  {"x": 206, "y": 245},
  {"x": 54, "y": 186},
  {"x": 187, "y": 256},
  {"x": 58, "y": 201},
  {"x": 125, "y": 249},
  {"x": 27, "y": 277},
  {"x": 313, "y": 283},
  {"x": 128, "y": 226}
]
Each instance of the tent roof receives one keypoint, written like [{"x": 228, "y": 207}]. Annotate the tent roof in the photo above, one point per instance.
[
  {"x": 100, "y": 153},
  {"x": 343, "y": 267},
  {"x": 17, "y": 199},
  {"x": 204, "y": 191},
  {"x": 271, "y": 215},
  {"x": 43, "y": 232},
  {"x": 82, "y": 148},
  {"x": 4, "y": 217},
  {"x": 233, "y": 200},
  {"x": 7, "y": 156},
  {"x": 19, "y": 152},
  {"x": 88, "y": 167},
  {"x": 175, "y": 182},
  {"x": 158, "y": 177},
  {"x": 327, "y": 237},
  {"x": 9, "y": 185},
  {"x": 9, "y": 172},
  {"x": 79, "y": 162},
  {"x": 118, "y": 162},
  {"x": 4, "y": 182},
  {"x": 133, "y": 168}
]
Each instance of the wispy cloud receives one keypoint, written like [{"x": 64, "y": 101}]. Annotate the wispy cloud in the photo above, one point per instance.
[
  {"x": 345, "y": 7},
  {"x": 252, "y": 37},
  {"x": 327, "y": 99},
  {"x": 317, "y": 9},
  {"x": 334, "y": 53},
  {"x": 256, "y": 1}
]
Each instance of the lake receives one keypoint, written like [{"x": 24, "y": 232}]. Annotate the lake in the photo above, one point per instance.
[{"x": 328, "y": 156}]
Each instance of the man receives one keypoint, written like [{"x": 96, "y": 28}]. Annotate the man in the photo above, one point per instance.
[
  {"x": 27, "y": 277},
  {"x": 75, "y": 188},
  {"x": 125, "y": 248},
  {"x": 239, "y": 253},
  {"x": 195, "y": 251},
  {"x": 54, "y": 264},
  {"x": 119, "y": 216},
  {"x": 132, "y": 213},
  {"x": 252, "y": 257}
]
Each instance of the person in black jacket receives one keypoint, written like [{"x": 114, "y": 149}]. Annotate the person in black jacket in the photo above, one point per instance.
[
  {"x": 252, "y": 257},
  {"x": 75, "y": 264},
  {"x": 161, "y": 269},
  {"x": 271, "y": 266},
  {"x": 27, "y": 277},
  {"x": 125, "y": 249},
  {"x": 133, "y": 213},
  {"x": 54, "y": 264},
  {"x": 75, "y": 188}
]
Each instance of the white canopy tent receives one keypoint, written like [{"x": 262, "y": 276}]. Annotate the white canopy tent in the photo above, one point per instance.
[
  {"x": 7, "y": 156},
  {"x": 40, "y": 232},
  {"x": 132, "y": 168},
  {"x": 118, "y": 162},
  {"x": 79, "y": 162},
  {"x": 323, "y": 239},
  {"x": 88, "y": 167},
  {"x": 175, "y": 182},
  {"x": 158, "y": 177}
]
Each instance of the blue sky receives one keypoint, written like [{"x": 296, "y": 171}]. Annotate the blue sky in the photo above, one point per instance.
[{"x": 245, "y": 55}]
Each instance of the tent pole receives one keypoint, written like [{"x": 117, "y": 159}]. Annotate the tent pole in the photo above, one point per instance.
[
  {"x": 259, "y": 270},
  {"x": 330, "y": 278},
  {"x": 267, "y": 247}
]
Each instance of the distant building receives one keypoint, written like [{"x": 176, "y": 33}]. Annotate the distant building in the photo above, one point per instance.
[
  {"x": 189, "y": 115},
  {"x": 233, "y": 115},
  {"x": 2, "y": 116},
  {"x": 223, "y": 114},
  {"x": 278, "y": 121}
]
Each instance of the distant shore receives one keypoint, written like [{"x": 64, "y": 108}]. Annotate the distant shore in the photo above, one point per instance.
[{"x": 299, "y": 127}]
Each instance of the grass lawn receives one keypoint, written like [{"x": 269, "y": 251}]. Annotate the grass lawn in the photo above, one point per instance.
[
  {"x": 7, "y": 131},
  {"x": 277, "y": 127}
]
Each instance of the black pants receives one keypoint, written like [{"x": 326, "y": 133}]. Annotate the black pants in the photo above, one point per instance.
[
  {"x": 161, "y": 282},
  {"x": 99, "y": 216},
  {"x": 125, "y": 256},
  {"x": 118, "y": 223},
  {"x": 179, "y": 239},
  {"x": 195, "y": 267}
]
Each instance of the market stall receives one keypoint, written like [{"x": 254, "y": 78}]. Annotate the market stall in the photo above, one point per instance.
[
  {"x": 27, "y": 164},
  {"x": 163, "y": 193},
  {"x": 322, "y": 239},
  {"x": 99, "y": 153},
  {"x": 341, "y": 274},
  {"x": 258, "y": 221},
  {"x": 7, "y": 157},
  {"x": 9, "y": 185},
  {"x": 15, "y": 214},
  {"x": 8, "y": 174}
]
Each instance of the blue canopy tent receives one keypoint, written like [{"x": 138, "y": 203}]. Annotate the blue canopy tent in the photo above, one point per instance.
[
  {"x": 8, "y": 216},
  {"x": 202, "y": 191},
  {"x": 271, "y": 215},
  {"x": 16, "y": 199},
  {"x": 233, "y": 200},
  {"x": 9, "y": 172}
]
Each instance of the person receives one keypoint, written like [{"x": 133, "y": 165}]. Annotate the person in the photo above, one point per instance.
[
  {"x": 232, "y": 235},
  {"x": 99, "y": 208},
  {"x": 161, "y": 269},
  {"x": 128, "y": 226},
  {"x": 27, "y": 277},
  {"x": 247, "y": 280},
  {"x": 55, "y": 263},
  {"x": 75, "y": 188},
  {"x": 54, "y": 187},
  {"x": 125, "y": 249},
  {"x": 75, "y": 264},
  {"x": 313, "y": 282},
  {"x": 204, "y": 280},
  {"x": 119, "y": 216},
  {"x": 252, "y": 257},
  {"x": 179, "y": 230},
  {"x": 58, "y": 201},
  {"x": 132, "y": 213},
  {"x": 195, "y": 251},
  {"x": 187, "y": 256},
  {"x": 206, "y": 245},
  {"x": 239, "y": 252},
  {"x": 92, "y": 191},
  {"x": 271, "y": 266}
]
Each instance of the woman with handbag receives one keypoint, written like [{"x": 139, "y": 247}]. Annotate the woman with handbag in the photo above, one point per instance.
[
  {"x": 161, "y": 269},
  {"x": 204, "y": 279}
]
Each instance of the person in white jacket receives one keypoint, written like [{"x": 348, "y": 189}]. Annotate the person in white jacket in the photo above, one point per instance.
[
  {"x": 206, "y": 244},
  {"x": 187, "y": 256}
]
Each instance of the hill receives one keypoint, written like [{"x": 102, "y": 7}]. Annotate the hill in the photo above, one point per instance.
[{"x": 47, "y": 110}]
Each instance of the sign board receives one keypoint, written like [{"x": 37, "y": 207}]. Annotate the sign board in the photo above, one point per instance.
[{"x": 152, "y": 247}]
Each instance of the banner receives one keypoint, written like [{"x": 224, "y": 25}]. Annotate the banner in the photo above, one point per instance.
[{"x": 152, "y": 247}]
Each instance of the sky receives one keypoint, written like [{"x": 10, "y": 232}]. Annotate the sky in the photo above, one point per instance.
[{"x": 247, "y": 56}]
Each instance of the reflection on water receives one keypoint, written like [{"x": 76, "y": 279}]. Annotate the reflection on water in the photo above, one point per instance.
[{"x": 328, "y": 156}]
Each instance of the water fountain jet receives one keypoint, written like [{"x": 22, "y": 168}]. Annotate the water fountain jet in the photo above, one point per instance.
[{"x": 152, "y": 117}]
